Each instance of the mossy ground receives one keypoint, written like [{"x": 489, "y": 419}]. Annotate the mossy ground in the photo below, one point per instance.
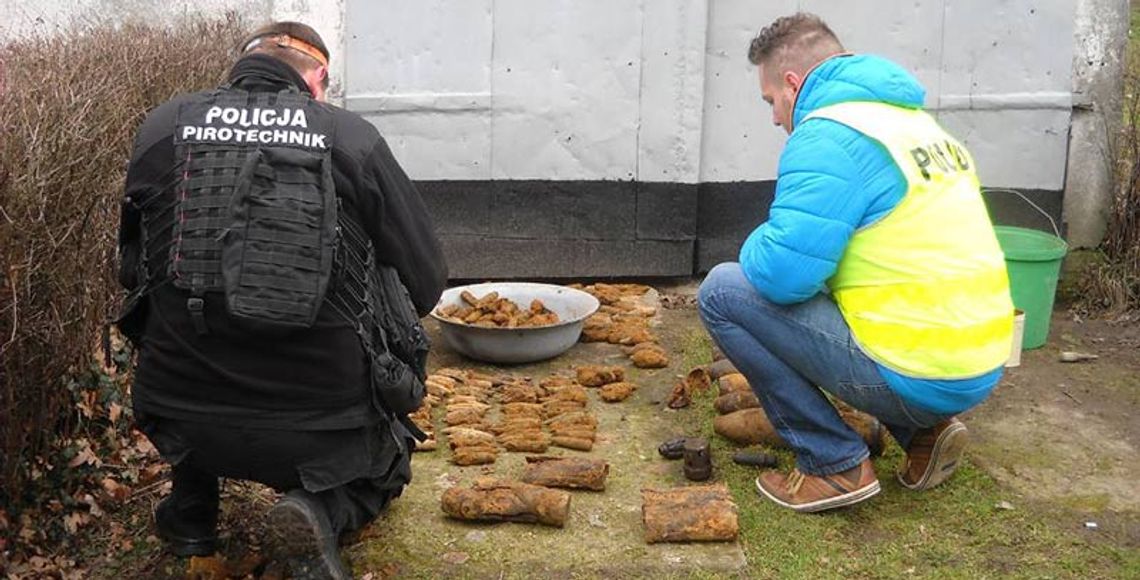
[{"x": 959, "y": 530}]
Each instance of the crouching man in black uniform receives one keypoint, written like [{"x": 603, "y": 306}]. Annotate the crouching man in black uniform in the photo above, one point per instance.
[{"x": 277, "y": 261}]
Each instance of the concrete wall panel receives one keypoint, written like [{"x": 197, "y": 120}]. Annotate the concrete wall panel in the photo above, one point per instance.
[
  {"x": 672, "y": 90},
  {"x": 566, "y": 79},
  {"x": 909, "y": 33},
  {"x": 434, "y": 143},
  {"x": 1013, "y": 148},
  {"x": 1007, "y": 46},
  {"x": 427, "y": 46},
  {"x": 738, "y": 141},
  {"x": 421, "y": 72},
  {"x": 593, "y": 94},
  {"x": 1006, "y": 85}
]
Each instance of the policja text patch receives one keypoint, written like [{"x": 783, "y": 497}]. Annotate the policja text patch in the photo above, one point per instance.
[
  {"x": 290, "y": 122},
  {"x": 953, "y": 158}
]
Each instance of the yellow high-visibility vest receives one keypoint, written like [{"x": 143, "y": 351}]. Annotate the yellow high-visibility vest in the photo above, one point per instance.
[{"x": 925, "y": 289}]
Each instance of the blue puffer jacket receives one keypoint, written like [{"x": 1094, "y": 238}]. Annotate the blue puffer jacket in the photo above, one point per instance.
[{"x": 832, "y": 181}]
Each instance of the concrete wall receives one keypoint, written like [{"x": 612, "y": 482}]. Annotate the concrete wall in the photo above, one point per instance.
[
  {"x": 564, "y": 96},
  {"x": 661, "y": 91},
  {"x": 571, "y": 90},
  {"x": 638, "y": 124},
  {"x": 532, "y": 89},
  {"x": 1098, "y": 75}
]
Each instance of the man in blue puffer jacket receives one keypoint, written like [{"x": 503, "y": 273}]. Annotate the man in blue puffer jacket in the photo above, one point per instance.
[{"x": 877, "y": 278}]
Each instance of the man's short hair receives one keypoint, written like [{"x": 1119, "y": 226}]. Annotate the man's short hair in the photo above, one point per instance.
[
  {"x": 294, "y": 43},
  {"x": 798, "y": 41}
]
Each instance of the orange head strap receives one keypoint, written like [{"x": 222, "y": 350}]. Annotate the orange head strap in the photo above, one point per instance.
[{"x": 286, "y": 41}]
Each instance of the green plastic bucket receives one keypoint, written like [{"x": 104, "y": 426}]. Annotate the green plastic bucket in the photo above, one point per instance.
[{"x": 1033, "y": 259}]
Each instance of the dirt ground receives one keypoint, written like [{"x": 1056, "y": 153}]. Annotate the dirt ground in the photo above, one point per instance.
[
  {"x": 1058, "y": 438},
  {"x": 603, "y": 535},
  {"x": 1069, "y": 433},
  {"x": 1055, "y": 434}
]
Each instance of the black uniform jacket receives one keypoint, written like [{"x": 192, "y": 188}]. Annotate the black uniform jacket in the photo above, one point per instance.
[{"x": 311, "y": 379}]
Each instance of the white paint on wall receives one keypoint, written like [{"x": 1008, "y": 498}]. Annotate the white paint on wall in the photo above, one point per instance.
[
  {"x": 1013, "y": 148},
  {"x": 662, "y": 90},
  {"x": 1007, "y": 77},
  {"x": 739, "y": 141},
  {"x": 421, "y": 72},
  {"x": 566, "y": 84},
  {"x": 551, "y": 89},
  {"x": 656, "y": 90},
  {"x": 671, "y": 102},
  {"x": 909, "y": 33},
  {"x": 1018, "y": 46},
  {"x": 989, "y": 68}
]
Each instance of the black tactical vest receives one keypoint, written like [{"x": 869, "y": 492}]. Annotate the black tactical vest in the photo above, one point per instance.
[
  {"x": 255, "y": 213},
  {"x": 251, "y": 212}
]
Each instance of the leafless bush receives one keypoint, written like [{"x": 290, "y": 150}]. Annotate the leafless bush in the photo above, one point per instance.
[{"x": 69, "y": 107}]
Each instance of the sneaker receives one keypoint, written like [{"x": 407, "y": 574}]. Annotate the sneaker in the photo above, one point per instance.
[
  {"x": 933, "y": 455},
  {"x": 186, "y": 534},
  {"x": 301, "y": 537},
  {"x": 812, "y": 493}
]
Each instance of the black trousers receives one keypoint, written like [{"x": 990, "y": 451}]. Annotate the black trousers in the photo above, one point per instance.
[{"x": 355, "y": 473}]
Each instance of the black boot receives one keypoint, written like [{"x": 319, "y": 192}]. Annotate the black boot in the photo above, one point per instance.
[
  {"x": 301, "y": 537},
  {"x": 187, "y": 519}
]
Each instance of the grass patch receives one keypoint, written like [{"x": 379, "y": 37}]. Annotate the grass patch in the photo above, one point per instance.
[
  {"x": 1094, "y": 502},
  {"x": 1134, "y": 27},
  {"x": 953, "y": 531}
]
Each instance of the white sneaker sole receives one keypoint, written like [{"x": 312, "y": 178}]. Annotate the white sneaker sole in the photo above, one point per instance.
[
  {"x": 944, "y": 458},
  {"x": 850, "y": 498}
]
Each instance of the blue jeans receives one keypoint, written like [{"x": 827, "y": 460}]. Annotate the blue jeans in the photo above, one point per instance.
[{"x": 788, "y": 353}]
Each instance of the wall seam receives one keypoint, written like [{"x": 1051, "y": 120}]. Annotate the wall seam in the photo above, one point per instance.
[{"x": 491, "y": 84}]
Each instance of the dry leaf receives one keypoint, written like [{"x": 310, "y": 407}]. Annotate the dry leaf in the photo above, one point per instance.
[
  {"x": 115, "y": 411},
  {"x": 206, "y": 568},
  {"x": 84, "y": 456},
  {"x": 117, "y": 491},
  {"x": 74, "y": 520},
  {"x": 91, "y": 504},
  {"x": 87, "y": 402},
  {"x": 143, "y": 445},
  {"x": 151, "y": 472}
]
